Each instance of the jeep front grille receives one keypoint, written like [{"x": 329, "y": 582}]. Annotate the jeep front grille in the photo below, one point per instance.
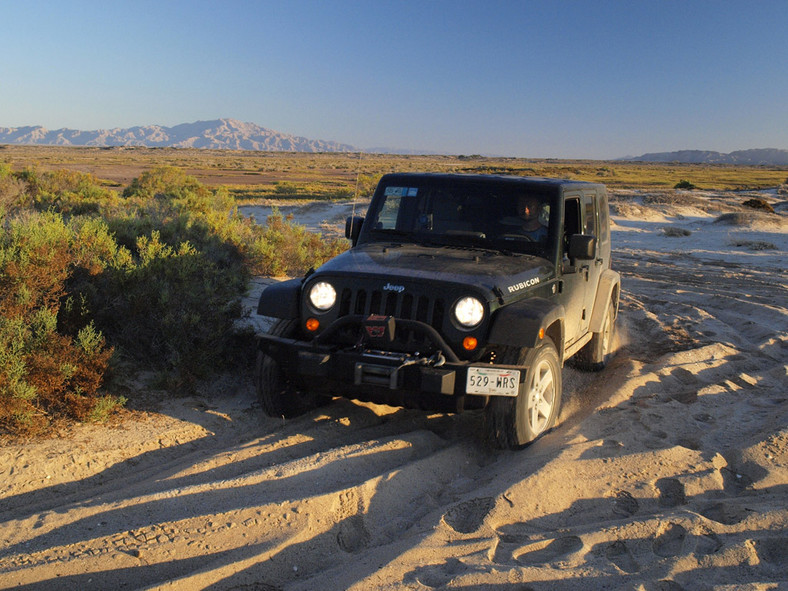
[{"x": 391, "y": 303}]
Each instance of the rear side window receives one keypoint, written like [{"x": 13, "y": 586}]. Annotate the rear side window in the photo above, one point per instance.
[{"x": 589, "y": 219}]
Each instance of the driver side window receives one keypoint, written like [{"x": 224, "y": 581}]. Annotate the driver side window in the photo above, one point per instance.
[{"x": 571, "y": 222}]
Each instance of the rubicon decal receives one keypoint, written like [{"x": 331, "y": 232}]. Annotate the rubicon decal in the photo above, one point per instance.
[{"x": 523, "y": 285}]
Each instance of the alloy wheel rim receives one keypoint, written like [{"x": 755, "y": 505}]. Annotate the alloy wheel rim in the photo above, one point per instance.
[{"x": 541, "y": 397}]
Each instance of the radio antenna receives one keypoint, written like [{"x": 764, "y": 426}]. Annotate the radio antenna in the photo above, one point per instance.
[{"x": 355, "y": 193}]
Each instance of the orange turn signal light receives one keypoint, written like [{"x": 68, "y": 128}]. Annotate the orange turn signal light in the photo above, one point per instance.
[
  {"x": 312, "y": 324},
  {"x": 469, "y": 343},
  {"x": 541, "y": 333}
]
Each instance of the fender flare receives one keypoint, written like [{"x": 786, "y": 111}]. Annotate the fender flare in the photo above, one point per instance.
[
  {"x": 520, "y": 323},
  {"x": 608, "y": 288},
  {"x": 281, "y": 300}
]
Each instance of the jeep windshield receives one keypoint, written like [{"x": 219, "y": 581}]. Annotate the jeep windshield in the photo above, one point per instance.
[{"x": 496, "y": 214}]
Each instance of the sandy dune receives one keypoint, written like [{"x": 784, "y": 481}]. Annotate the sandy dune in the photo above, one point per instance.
[{"x": 668, "y": 470}]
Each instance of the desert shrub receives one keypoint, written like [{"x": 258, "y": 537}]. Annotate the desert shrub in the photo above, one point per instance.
[
  {"x": 758, "y": 204},
  {"x": 65, "y": 191},
  {"x": 45, "y": 373},
  {"x": 166, "y": 289},
  {"x": 172, "y": 309},
  {"x": 672, "y": 198},
  {"x": 164, "y": 182},
  {"x": 285, "y": 188},
  {"x": 181, "y": 209},
  {"x": 342, "y": 193},
  {"x": 193, "y": 255},
  {"x": 284, "y": 248},
  {"x": 156, "y": 277},
  {"x": 736, "y": 219},
  {"x": 12, "y": 189},
  {"x": 754, "y": 244},
  {"x": 366, "y": 185},
  {"x": 311, "y": 191},
  {"x": 682, "y": 184},
  {"x": 672, "y": 232}
]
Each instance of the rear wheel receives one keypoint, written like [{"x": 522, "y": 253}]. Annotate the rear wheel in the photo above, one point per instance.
[
  {"x": 515, "y": 422},
  {"x": 278, "y": 395},
  {"x": 595, "y": 355}
]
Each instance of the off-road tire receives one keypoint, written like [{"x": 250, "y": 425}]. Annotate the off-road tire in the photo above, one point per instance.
[
  {"x": 596, "y": 354},
  {"x": 279, "y": 396},
  {"x": 512, "y": 422}
]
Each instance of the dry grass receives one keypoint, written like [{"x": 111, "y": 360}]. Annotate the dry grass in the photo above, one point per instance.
[{"x": 256, "y": 175}]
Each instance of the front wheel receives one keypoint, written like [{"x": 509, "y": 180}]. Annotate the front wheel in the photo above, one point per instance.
[
  {"x": 515, "y": 422},
  {"x": 278, "y": 396}
]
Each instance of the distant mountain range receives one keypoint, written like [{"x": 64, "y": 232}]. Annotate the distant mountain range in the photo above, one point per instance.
[
  {"x": 221, "y": 134},
  {"x": 231, "y": 134},
  {"x": 762, "y": 157}
]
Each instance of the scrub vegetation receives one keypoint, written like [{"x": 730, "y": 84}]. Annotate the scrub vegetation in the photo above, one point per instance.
[
  {"x": 96, "y": 283},
  {"x": 254, "y": 176}
]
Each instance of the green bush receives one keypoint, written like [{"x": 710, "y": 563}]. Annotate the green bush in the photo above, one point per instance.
[
  {"x": 284, "y": 248},
  {"x": 193, "y": 254},
  {"x": 682, "y": 184},
  {"x": 45, "y": 374},
  {"x": 366, "y": 185},
  {"x": 12, "y": 190},
  {"x": 285, "y": 188},
  {"x": 164, "y": 182},
  {"x": 65, "y": 191},
  {"x": 172, "y": 309},
  {"x": 153, "y": 279}
]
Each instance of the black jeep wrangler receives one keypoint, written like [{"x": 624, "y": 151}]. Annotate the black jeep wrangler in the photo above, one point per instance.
[{"x": 459, "y": 292}]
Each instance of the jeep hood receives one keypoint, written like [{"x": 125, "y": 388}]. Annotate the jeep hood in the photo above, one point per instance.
[{"x": 487, "y": 269}]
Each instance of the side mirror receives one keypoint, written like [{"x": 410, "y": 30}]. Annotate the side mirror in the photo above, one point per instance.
[
  {"x": 582, "y": 246},
  {"x": 353, "y": 228}
]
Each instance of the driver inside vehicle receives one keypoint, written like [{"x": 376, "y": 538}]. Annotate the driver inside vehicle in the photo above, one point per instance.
[{"x": 531, "y": 219}]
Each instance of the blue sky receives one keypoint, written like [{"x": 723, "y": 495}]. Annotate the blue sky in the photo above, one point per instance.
[{"x": 568, "y": 79}]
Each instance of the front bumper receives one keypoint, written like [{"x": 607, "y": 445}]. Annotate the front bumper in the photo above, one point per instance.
[{"x": 369, "y": 371}]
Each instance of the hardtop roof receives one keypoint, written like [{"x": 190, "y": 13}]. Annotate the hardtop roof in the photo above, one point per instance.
[{"x": 491, "y": 178}]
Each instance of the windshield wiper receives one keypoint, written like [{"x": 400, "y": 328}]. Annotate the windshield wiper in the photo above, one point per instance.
[
  {"x": 393, "y": 235},
  {"x": 391, "y": 232}
]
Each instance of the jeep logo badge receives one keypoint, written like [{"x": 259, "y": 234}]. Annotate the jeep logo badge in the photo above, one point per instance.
[{"x": 397, "y": 288}]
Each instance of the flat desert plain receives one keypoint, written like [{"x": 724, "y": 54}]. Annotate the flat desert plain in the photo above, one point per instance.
[{"x": 668, "y": 469}]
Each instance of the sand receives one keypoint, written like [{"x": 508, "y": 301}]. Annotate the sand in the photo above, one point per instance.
[{"x": 668, "y": 469}]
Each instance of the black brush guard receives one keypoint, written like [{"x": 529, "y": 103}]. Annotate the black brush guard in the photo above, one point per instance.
[{"x": 369, "y": 371}]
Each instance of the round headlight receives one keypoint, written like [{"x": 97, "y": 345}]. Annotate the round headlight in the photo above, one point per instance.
[
  {"x": 469, "y": 312},
  {"x": 322, "y": 295}
]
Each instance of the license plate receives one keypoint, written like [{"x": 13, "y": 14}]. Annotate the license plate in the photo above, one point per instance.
[{"x": 492, "y": 381}]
